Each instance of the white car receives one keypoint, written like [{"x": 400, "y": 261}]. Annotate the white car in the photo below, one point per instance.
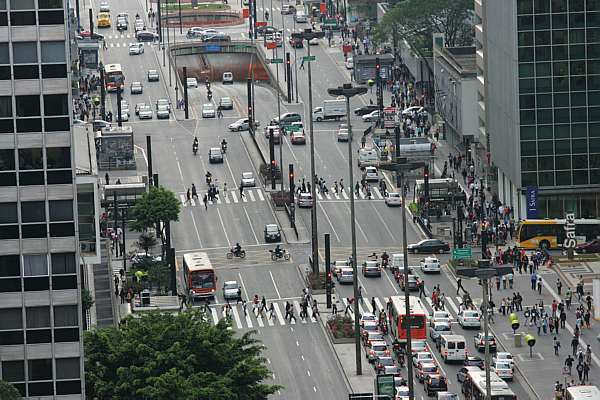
[
  {"x": 162, "y": 111},
  {"x": 136, "y": 88},
  {"x": 192, "y": 82},
  {"x": 371, "y": 174},
  {"x": 430, "y": 264},
  {"x": 232, "y": 290},
  {"x": 349, "y": 63},
  {"x": 314, "y": 41},
  {"x": 503, "y": 356},
  {"x": 304, "y": 199},
  {"x": 124, "y": 115},
  {"x": 248, "y": 179},
  {"x": 410, "y": 111},
  {"x": 441, "y": 316},
  {"x": 239, "y": 125},
  {"x": 393, "y": 199},
  {"x": 503, "y": 369},
  {"x": 136, "y": 48},
  {"x": 104, "y": 7},
  {"x": 370, "y": 117},
  {"x": 469, "y": 319},
  {"x": 227, "y": 78},
  {"x": 424, "y": 356},
  {"x": 145, "y": 112},
  {"x": 208, "y": 110},
  {"x": 343, "y": 135}
]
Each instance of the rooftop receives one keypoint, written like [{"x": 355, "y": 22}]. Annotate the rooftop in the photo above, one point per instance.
[
  {"x": 463, "y": 59},
  {"x": 84, "y": 148}
]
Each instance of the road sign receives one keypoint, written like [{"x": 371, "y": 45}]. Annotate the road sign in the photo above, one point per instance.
[
  {"x": 260, "y": 23},
  {"x": 385, "y": 385},
  {"x": 330, "y": 22},
  {"x": 460, "y": 254},
  {"x": 213, "y": 48},
  {"x": 271, "y": 45},
  {"x": 276, "y": 60},
  {"x": 308, "y": 58}
]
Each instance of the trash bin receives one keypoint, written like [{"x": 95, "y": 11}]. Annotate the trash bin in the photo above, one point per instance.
[
  {"x": 145, "y": 297},
  {"x": 518, "y": 342}
]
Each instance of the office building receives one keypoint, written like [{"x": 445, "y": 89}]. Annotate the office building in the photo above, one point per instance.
[
  {"x": 539, "y": 103},
  {"x": 41, "y": 351}
]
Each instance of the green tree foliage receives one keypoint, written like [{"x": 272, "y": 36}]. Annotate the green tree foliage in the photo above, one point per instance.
[
  {"x": 87, "y": 301},
  {"x": 157, "y": 205},
  {"x": 146, "y": 241},
  {"x": 158, "y": 273},
  {"x": 8, "y": 391},
  {"x": 165, "y": 356}
]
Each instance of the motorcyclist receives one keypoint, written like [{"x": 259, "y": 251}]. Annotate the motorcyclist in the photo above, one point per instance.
[
  {"x": 385, "y": 258},
  {"x": 278, "y": 251},
  {"x": 224, "y": 145},
  {"x": 208, "y": 177},
  {"x": 195, "y": 145},
  {"x": 237, "y": 249}
]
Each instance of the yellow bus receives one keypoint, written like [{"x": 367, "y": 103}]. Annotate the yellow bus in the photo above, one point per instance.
[
  {"x": 103, "y": 20},
  {"x": 550, "y": 233}
]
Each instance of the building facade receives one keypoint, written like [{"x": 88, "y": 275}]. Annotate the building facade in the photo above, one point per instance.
[
  {"x": 41, "y": 351},
  {"x": 542, "y": 99}
]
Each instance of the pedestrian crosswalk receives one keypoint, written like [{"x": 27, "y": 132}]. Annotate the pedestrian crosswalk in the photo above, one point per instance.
[
  {"x": 244, "y": 316},
  {"x": 345, "y": 193}
]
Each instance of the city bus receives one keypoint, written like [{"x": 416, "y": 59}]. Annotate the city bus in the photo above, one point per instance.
[
  {"x": 473, "y": 387},
  {"x": 113, "y": 77},
  {"x": 582, "y": 393},
  {"x": 399, "y": 320},
  {"x": 199, "y": 274},
  {"x": 550, "y": 233},
  {"x": 440, "y": 190}
]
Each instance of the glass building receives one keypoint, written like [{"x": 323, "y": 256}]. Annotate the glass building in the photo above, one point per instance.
[
  {"x": 41, "y": 352},
  {"x": 543, "y": 102}
]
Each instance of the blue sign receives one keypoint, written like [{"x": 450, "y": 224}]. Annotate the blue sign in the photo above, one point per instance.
[
  {"x": 532, "y": 202},
  {"x": 213, "y": 48}
]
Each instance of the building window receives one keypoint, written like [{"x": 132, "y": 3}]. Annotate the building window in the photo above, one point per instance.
[
  {"x": 67, "y": 368},
  {"x": 525, "y": 38},
  {"x": 11, "y": 318},
  {"x": 28, "y": 106},
  {"x": 529, "y": 179},
  {"x": 526, "y": 86},
  {"x": 544, "y": 100},
  {"x": 22, "y": 5},
  {"x": 563, "y": 178},
  {"x": 25, "y": 125},
  {"x": 562, "y": 146},
  {"x": 559, "y": 6},
  {"x": 10, "y": 266},
  {"x": 7, "y": 160},
  {"x": 51, "y": 17},
  {"x": 66, "y": 316},
  {"x": 577, "y": 20},
  {"x": 43, "y": 4},
  {"x": 64, "y": 282},
  {"x": 544, "y": 116},
  {"x": 31, "y": 178},
  {"x": 562, "y": 162},
  {"x": 560, "y": 37},
  {"x": 542, "y": 6},
  {"x": 33, "y": 211},
  {"x": 546, "y": 163},
  {"x": 58, "y": 157},
  {"x": 61, "y": 210},
  {"x": 56, "y": 104},
  {"x": 543, "y": 53},
  {"x": 60, "y": 177},
  {"x": 56, "y": 124},
  {"x": 54, "y": 71},
  {"x": 34, "y": 231},
  {"x": 528, "y": 133},
  {"x": 525, "y": 7},
  {"x": 8, "y": 338},
  {"x": 22, "y": 18},
  {"x": 8, "y": 214},
  {"x": 543, "y": 69},
  {"x": 546, "y": 178},
  {"x": 13, "y": 371},
  {"x": 580, "y": 161},
  {"x": 561, "y": 115},
  {"x": 68, "y": 387},
  {"x": 66, "y": 335},
  {"x": 527, "y": 117},
  {"x": 35, "y": 264},
  {"x": 38, "y": 317},
  {"x": 525, "y": 54},
  {"x": 63, "y": 263},
  {"x": 6, "y": 107},
  {"x": 40, "y": 370},
  {"x": 26, "y": 71},
  {"x": 542, "y": 22},
  {"x": 525, "y": 23},
  {"x": 545, "y": 147},
  {"x": 580, "y": 177},
  {"x": 25, "y": 53},
  {"x": 31, "y": 159},
  {"x": 528, "y": 164},
  {"x": 62, "y": 230},
  {"x": 53, "y": 52}
]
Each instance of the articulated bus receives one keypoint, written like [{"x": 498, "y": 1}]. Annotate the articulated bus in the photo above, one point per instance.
[
  {"x": 399, "y": 321},
  {"x": 473, "y": 387},
  {"x": 550, "y": 233},
  {"x": 199, "y": 274},
  {"x": 113, "y": 77}
]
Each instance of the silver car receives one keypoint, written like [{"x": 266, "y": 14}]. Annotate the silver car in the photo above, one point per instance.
[
  {"x": 163, "y": 102},
  {"x": 239, "y": 125},
  {"x": 346, "y": 275},
  {"x": 208, "y": 110},
  {"x": 226, "y": 103},
  {"x": 153, "y": 75},
  {"x": 232, "y": 290},
  {"x": 162, "y": 112},
  {"x": 248, "y": 179},
  {"x": 136, "y": 88},
  {"x": 145, "y": 112}
]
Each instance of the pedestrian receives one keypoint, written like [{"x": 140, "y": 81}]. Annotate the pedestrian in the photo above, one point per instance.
[
  {"x": 586, "y": 371},
  {"x": 205, "y": 201},
  {"x": 255, "y": 305},
  {"x": 558, "y": 286},
  {"x": 539, "y": 285},
  {"x": 334, "y": 309},
  {"x": 122, "y": 294},
  {"x": 533, "y": 281},
  {"x": 242, "y": 191},
  {"x": 373, "y": 305},
  {"x": 422, "y": 288},
  {"x": 579, "y": 369},
  {"x": 302, "y": 64},
  {"x": 106, "y": 178},
  {"x": 460, "y": 286},
  {"x": 574, "y": 344},
  {"x": 271, "y": 311},
  {"x": 263, "y": 305},
  {"x": 348, "y": 305},
  {"x": 188, "y": 196},
  {"x": 556, "y": 344},
  {"x": 245, "y": 307},
  {"x": 569, "y": 363},
  {"x": 194, "y": 192},
  {"x": 292, "y": 316},
  {"x": 287, "y": 310}
]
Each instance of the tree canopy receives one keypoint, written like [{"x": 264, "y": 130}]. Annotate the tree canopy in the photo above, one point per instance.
[
  {"x": 157, "y": 205},
  {"x": 8, "y": 391},
  {"x": 166, "y": 356}
]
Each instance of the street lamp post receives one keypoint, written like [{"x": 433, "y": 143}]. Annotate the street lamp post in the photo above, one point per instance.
[
  {"x": 484, "y": 274},
  {"x": 307, "y": 35},
  {"x": 349, "y": 91}
]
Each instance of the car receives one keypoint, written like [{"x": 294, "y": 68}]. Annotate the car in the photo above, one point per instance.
[
  {"x": 386, "y": 365},
  {"x": 413, "y": 282},
  {"x": 227, "y": 78},
  {"x": 371, "y": 268},
  {"x": 98, "y": 125},
  {"x": 413, "y": 110},
  {"x": 371, "y": 117},
  {"x": 435, "y": 383},
  {"x": 304, "y": 199},
  {"x": 205, "y": 32},
  {"x": 273, "y": 130},
  {"x": 422, "y": 356},
  {"x": 437, "y": 329},
  {"x": 393, "y": 199},
  {"x": 163, "y": 102},
  {"x": 503, "y": 369},
  {"x": 343, "y": 135},
  {"x": 423, "y": 370},
  {"x": 430, "y": 264},
  {"x": 298, "y": 137},
  {"x": 104, "y": 7},
  {"x": 346, "y": 275},
  {"x": 286, "y": 119},
  {"x": 503, "y": 356},
  {"x": 153, "y": 75},
  {"x": 371, "y": 174},
  {"x": 296, "y": 43},
  {"x": 375, "y": 350},
  {"x": 226, "y": 103},
  {"x": 429, "y": 246},
  {"x": 368, "y": 326},
  {"x": 479, "y": 341},
  {"x": 419, "y": 345},
  {"x": 232, "y": 290},
  {"x": 447, "y": 396},
  {"x": 337, "y": 267},
  {"x": 364, "y": 110},
  {"x": 239, "y": 125},
  {"x": 349, "y": 63},
  {"x": 266, "y": 30},
  {"x": 272, "y": 233},
  {"x": 441, "y": 316},
  {"x": 473, "y": 361},
  {"x": 136, "y": 48},
  {"x": 163, "y": 112},
  {"x": 87, "y": 34},
  {"x": 146, "y": 36},
  {"x": 463, "y": 372},
  {"x": 103, "y": 20},
  {"x": 136, "y": 88},
  {"x": 215, "y": 155},
  {"x": 469, "y": 319},
  {"x": 194, "y": 32},
  {"x": 192, "y": 83},
  {"x": 218, "y": 37},
  {"x": 367, "y": 316},
  {"x": 314, "y": 41},
  {"x": 593, "y": 246},
  {"x": 140, "y": 25},
  {"x": 248, "y": 179},
  {"x": 402, "y": 391},
  {"x": 122, "y": 24},
  {"x": 145, "y": 112},
  {"x": 143, "y": 258},
  {"x": 287, "y": 9},
  {"x": 124, "y": 115},
  {"x": 208, "y": 110}
]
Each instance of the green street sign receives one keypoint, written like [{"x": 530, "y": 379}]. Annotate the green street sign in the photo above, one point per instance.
[
  {"x": 385, "y": 385},
  {"x": 308, "y": 58},
  {"x": 461, "y": 254},
  {"x": 276, "y": 60}
]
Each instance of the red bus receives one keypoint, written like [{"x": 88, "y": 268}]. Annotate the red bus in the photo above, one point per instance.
[
  {"x": 113, "y": 77},
  {"x": 199, "y": 274},
  {"x": 399, "y": 321}
]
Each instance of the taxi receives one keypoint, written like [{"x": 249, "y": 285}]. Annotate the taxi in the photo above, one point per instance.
[{"x": 103, "y": 20}]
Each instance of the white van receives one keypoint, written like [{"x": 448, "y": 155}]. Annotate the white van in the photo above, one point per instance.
[
  {"x": 367, "y": 158},
  {"x": 453, "y": 348},
  {"x": 300, "y": 16},
  {"x": 398, "y": 261}
]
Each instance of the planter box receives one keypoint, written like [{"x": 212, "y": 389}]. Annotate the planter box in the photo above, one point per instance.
[{"x": 335, "y": 340}]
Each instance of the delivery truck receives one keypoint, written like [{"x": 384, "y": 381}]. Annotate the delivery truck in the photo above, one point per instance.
[{"x": 332, "y": 109}]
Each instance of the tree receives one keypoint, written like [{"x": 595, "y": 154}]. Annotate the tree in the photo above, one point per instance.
[
  {"x": 87, "y": 301},
  {"x": 155, "y": 206},
  {"x": 146, "y": 241},
  {"x": 160, "y": 356},
  {"x": 158, "y": 273},
  {"x": 8, "y": 391}
]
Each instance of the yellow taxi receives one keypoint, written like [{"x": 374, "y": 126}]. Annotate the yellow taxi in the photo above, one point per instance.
[{"x": 103, "y": 20}]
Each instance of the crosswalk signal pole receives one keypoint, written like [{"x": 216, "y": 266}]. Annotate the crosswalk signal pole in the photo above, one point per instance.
[
  {"x": 185, "y": 94},
  {"x": 328, "y": 282}
]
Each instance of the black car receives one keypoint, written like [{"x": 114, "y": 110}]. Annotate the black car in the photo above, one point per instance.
[
  {"x": 122, "y": 24},
  {"x": 474, "y": 361},
  {"x": 429, "y": 246},
  {"x": 146, "y": 36},
  {"x": 266, "y": 30},
  {"x": 364, "y": 110},
  {"x": 272, "y": 233}
]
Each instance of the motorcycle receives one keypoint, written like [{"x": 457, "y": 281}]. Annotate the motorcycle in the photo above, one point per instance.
[
  {"x": 385, "y": 262},
  {"x": 282, "y": 255},
  {"x": 224, "y": 148},
  {"x": 195, "y": 149},
  {"x": 233, "y": 253}
]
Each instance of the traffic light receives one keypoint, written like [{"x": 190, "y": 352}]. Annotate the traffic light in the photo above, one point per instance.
[
  {"x": 514, "y": 321},
  {"x": 426, "y": 181},
  {"x": 377, "y": 67}
]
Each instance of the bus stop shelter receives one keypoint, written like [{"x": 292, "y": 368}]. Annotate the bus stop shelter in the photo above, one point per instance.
[{"x": 364, "y": 67}]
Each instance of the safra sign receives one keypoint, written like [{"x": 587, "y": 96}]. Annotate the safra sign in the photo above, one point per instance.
[{"x": 570, "y": 241}]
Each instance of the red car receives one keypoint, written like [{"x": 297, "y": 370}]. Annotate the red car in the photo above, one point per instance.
[
  {"x": 296, "y": 42},
  {"x": 593, "y": 246}
]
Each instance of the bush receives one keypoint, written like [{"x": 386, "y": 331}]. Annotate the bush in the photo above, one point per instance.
[
  {"x": 265, "y": 170},
  {"x": 414, "y": 208},
  {"x": 341, "y": 326}
]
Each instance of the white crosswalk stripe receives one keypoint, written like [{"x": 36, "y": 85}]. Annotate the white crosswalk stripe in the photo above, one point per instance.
[
  {"x": 344, "y": 195},
  {"x": 234, "y": 196},
  {"x": 279, "y": 315},
  {"x": 236, "y": 317},
  {"x": 299, "y": 310},
  {"x": 227, "y": 201},
  {"x": 319, "y": 196},
  {"x": 215, "y": 315},
  {"x": 377, "y": 193},
  {"x": 260, "y": 195},
  {"x": 380, "y": 306},
  {"x": 452, "y": 305},
  {"x": 251, "y": 194},
  {"x": 367, "y": 306}
]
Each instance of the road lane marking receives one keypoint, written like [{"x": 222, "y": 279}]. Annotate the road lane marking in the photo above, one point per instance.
[
  {"x": 344, "y": 194},
  {"x": 236, "y": 316},
  {"x": 215, "y": 316},
  {"x": 251, "y": 227},
  {"x": 274, "y": 285},
  {"x": 223, "y": 226},
  {"x": 196, "y": 228},
  {"x": 259, "y": 320},
  {"x": 368, "y": 306},
  {"x": 234, "y": 196},
  {"x": 377, "y": 193},
  {"x": 244, "y": 198},
  {"x": 260, "y": 195},
  {"x": 387, "y": 228},
  {"x": 319, "y": 196},
  {"x": 392, "y": 283},
  {"x": 227, "y": 201},
  {"x": 329, "y": 221},
  {"x": 378, "y": 304},
  {"x": 279, "y": 315},
  {"x": 452, "y": 305},
  {"x": 251, "y": 195}
]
